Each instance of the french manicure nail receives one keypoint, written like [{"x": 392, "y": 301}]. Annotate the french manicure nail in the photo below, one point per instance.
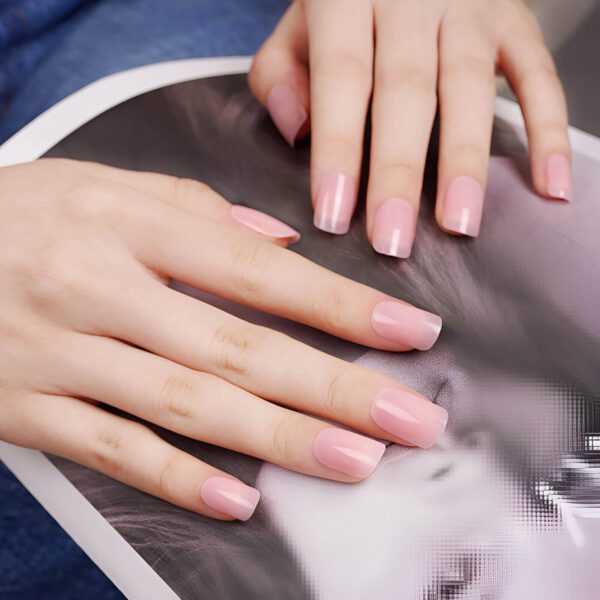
[
  {"x": 406, "y": 324},
  {"x": 263, "y": 223},
  {"x": 409, "y": 416},
  {"x": 336, "y": 198},
  {"x": 229, "y": 496},
  {"x": 287, "y": 111},
  {"x": 394, "y": 228},
  {"x": 559, "y": 177},
  {"x": 347, "y": 452},
  {"x": 463, "y": 207}
]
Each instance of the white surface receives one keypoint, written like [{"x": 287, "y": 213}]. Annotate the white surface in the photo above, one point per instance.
[{"x": 128, "y": 571}]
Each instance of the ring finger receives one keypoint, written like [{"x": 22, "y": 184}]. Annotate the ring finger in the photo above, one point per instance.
[
  {"x": 204, "y": 407},
  {"x": 467, "y": 73}
]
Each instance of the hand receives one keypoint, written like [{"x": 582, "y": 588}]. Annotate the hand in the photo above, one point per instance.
[
  {"x": 405, "y": 55},
  {"x": 85, "y": 318}
]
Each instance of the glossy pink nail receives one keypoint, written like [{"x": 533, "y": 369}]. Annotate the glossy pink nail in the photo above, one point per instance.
[
  {"x": 287, "y": 111},
  {"x": 463, "y": 207},
  {"x": 406, "y": 324},
  {"x": 409, "y": 416},
  {"x": 559, "y": 177},
  {"x": 394, "y": 228},
  {"x": 347, "y": 452},
  {"x": 230, "y": 497},
  {"x": 336, "y": 198},
  {"x": 263, "y": 223}
]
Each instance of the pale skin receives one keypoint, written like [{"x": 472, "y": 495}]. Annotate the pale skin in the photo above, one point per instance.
[
  {"x": 411, "y": 58},
  {"x": 87, "y": 318}
]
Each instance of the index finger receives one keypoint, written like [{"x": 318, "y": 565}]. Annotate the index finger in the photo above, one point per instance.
[{"x": 243, "y": 268}]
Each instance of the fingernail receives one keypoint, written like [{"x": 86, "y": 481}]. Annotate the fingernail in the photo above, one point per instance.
[
  {"x": 263, "y": 223},
  {"x": 406, "y": 324},
  {"x": 394, "y": 228},
  {"x": 463, "y": 207},
  {"x": 336, "y": 199},
  {"x": 230, "y": 497},
  {"x": 287, "y": 111},
  {"x": 409, "y": 416},
  {"x": 559, "y": 177},
  {"x": 347, "y": 452}
]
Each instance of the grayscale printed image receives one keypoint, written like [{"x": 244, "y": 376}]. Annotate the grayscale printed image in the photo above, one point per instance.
[{"x": 507, "y": 506}]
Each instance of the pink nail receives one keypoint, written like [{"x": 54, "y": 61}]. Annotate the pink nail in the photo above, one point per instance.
[
  {"x": 336, "y": 199},
  {"x": 287, "y": 111},
  {"x": 463, "y": 207},
  {"x": 230, "y": 497},
  {"x": 263, "y": 223},
  {"x": 559, "y": 177},
  {"x": 406, "y": 324},
  {"x": 408, "y": 416},
  {"x": 394, "y": 228},
  {"x": 347, "y": 452}
]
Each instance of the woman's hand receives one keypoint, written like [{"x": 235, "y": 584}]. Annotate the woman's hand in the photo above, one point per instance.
[
  {"x": 85, "y": 318},
  {"x": 406, "y": 55}
]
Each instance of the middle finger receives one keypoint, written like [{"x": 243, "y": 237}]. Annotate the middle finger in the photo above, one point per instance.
[{"x": 274, "y": 366}]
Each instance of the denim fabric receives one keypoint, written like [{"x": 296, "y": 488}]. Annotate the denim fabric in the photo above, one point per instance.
[
  {"x": 58, "y": 48},
  {"x": 108, "y": 36}
]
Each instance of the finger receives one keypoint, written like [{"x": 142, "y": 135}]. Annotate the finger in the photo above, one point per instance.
[
  {"x": 202, "y": 406},
  {"x": 404, "y": 104},
  {"x": 530, "y": 69},
  {"x": 467, "y": 75},
  {"x": 193, "y": 196},
  {"x": 249, "y": 271},
  {"x": 273, "y": 366},
  {"x": 132, "y": 454},
  {"x": 279, "y": 75},
  {"x": 341, "y": 73}
]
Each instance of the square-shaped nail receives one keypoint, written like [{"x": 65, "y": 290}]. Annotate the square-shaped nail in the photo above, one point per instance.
[
  {"x": 408, "y": 416},
  {"x": 394, "y": 228},
  {"x": 230, "y": 497},
  {"x": 287, "y": 111},
  {"x": 262, "y": 223},
  {"x": 559, "y": 177},
  {"x": 406, "y": 324},
  {"x": 336, "y": 199},
  {"x": 347, "y": 452},
  {"x": 463, "y": 207}
]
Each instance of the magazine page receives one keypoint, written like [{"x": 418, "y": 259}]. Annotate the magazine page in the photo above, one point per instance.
[{"x": 507, "y": 506}]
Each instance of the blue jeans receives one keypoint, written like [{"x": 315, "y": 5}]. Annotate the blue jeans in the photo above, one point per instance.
[
  {"x": 88, "y": 41},
  {"x": 106, "y": 36}
]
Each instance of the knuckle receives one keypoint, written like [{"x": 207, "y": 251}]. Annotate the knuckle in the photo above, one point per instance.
[
  {"x": 250, "y": 264},
  {"x": 400, "y": 170},
  {"x": 178, "y": 398},
  {"x": 283, "y": 448},
  {"x": 407, "y": 78},
  {"x": 233, "y": 348},
  {"x": 188, "y": 191},
  {"x": 89, "y": 200},
  {"x": 335, "y": 402},
  {"x": 107, "y": 452},
  {"x": 543, "y": 73},
  {"x": 167, "y": 477},
  {"x": 56, "y": 271},
  {"x": 470, "y": 66},
  {"x": 469, "y": 154},
  {"x": 347, "y": 67},
  {"x": 332, "y": 314}
]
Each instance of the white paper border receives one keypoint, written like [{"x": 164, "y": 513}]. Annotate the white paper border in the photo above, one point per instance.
[{"x": 78, "y": 517}]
